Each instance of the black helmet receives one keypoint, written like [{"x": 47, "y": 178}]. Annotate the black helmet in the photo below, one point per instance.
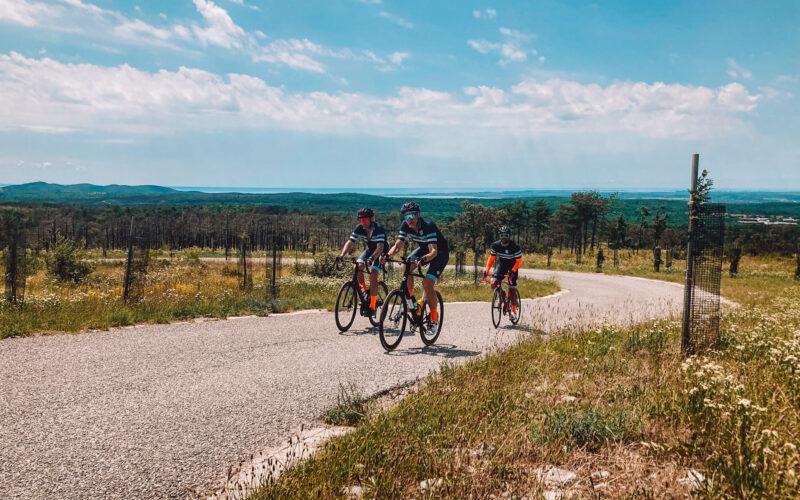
[
  {"x": 504, "y": 230},
  {"x": 365, "y": 212},
  {"x": 409, "y": 207}
]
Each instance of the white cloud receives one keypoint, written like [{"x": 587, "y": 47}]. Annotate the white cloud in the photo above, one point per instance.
[
  {"x": 513, "y": 47},
  {"x": 735, "y": 97},
  {"x": 49, "y": 96},
  {"x": 221, "y": 29},
  {"x": 26, "y": 13},
  {"x": 398, "y": 57},
  {"x": 484, "y": 14},
  {"x": 396, "y": 20},
  {"x": 486, "y": 95},
  {"x": 137, "y": 28},
  {"x": 217, "y": 29},
  {"x": 483, "y": 46},
  {"x": 737, "y": 72}
]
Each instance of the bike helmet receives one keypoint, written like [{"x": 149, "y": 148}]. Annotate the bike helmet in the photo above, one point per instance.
[
  {"x": 365, "y": 212},
  {"x": 504, "y": 230},
  {"x": 409, "y": 207}
]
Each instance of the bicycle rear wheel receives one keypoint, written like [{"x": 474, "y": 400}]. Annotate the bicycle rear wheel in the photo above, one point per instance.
[
  {"x": 392, "y": 324},
  {"x": 515, "y": 316},
  {"x": 346, "y": 305},
  {"x": 497, "y": 306},
  {"x": 383, "y": 291},
  {"x": 424, "y": 333}
]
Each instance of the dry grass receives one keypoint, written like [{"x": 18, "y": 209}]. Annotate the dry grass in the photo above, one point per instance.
[
  {"x": 182, "y": 288},
  {"x": 642, "y": 412}
]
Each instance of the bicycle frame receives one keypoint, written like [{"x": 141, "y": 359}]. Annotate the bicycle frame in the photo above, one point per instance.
[
  {"x": 506, "y": 305},
  {"x": 364, "y": 271},
  {"x": 404, "y": 285}
]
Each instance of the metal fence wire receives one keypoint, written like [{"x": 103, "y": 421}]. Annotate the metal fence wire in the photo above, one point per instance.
[{"x": 704, "y": 298}]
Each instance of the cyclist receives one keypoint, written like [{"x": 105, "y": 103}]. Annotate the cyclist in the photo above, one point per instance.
[
  {"x": 433, "y": 250},
  {"x": 375, "y": 236},
  {"x": 509, "y": 256}
]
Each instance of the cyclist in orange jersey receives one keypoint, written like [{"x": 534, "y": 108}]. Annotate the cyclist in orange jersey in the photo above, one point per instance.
[{"x": 509, "y": 257}]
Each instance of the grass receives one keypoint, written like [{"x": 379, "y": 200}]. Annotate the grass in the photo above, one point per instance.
[
  {"x": 183, "y": 288},
  {"x": 641, "y": 411},
  {"x": 350, "y": 409}
]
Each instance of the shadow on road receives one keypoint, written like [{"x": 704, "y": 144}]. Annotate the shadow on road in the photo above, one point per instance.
[
  {"x": 447, "y": 351},
  {"x": 357, "y": 333}
]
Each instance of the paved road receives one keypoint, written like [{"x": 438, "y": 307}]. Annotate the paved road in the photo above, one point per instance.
[{"x": 145, "y": 412}]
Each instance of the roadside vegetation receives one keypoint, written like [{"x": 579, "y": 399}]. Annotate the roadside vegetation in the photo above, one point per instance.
[
  {"x": 68, "y": 291},
  {"x": 600, "y": 413}
]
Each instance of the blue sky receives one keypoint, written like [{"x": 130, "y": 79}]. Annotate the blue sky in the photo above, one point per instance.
[{"x": 385, "y": 93}]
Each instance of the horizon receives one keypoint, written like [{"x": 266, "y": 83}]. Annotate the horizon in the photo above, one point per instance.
[
  {"x": 413, "y": 190},
  {"x": 475, "y": 96}
]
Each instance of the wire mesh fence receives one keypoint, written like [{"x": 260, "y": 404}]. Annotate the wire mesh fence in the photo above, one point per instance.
[{"x": 703, "y": 295}]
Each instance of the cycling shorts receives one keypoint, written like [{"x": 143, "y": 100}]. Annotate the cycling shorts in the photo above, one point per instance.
[
  {"x": 436, "y": 266},
  {"x": 502, "y": 269}
]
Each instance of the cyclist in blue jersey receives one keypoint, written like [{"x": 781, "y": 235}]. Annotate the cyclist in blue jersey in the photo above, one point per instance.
[
  {"x": 509, "y": 257},
  {"x": 375, "y": 236},
  {"x": 432, "y": 250}
]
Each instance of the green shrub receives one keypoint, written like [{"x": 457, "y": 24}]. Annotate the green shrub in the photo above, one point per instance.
[
  {"x": 66, "y": 263},
  {"x": 324, "y": 266},
  {"x": 192, "y": 257},
  {"x": 590, "y": 427},
  {"x": 350, "y": 407}
]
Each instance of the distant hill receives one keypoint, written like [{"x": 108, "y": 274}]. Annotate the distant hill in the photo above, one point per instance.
[
  {"x": 43, "y": 191},
  {"x": 434, "y": 204}
]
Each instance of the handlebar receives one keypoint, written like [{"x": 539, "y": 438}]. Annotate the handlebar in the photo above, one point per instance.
[{"x": 340, "y": 261}]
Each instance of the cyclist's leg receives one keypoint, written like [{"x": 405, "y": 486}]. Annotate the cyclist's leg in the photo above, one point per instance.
[
  {"x": 410, "y": 281},
  {"x": 361, "y": 262},
  {"x": 435, "y": 270},
  {"x": 513, "y": 276},
  {"x": 373, "y": 286},
  {"x": 499, "y": 274}
]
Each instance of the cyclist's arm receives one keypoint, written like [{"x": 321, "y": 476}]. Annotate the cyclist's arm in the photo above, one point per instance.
[
  {"x": 347, "y": 247},
  {"x": 517, "y": 264},
  {"x": 434, "y": 251},
  {"x": 398, "y": 245},
  {"x": 376, "y": 256},
  {"x": 489, "y": 264}
]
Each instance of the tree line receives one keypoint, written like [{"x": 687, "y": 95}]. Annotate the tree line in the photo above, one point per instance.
[{"x": 585, "y": 222}]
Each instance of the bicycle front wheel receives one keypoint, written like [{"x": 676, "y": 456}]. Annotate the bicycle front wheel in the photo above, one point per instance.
[
  {"x": 425, "y": 333},
  {"x": 515, "y": 316},
  {"x": 383, "y": 291},
  {"x": 392, "y": 324},
  {"x": 497, "y": 306},
  {"x": 346, "y": 305}
]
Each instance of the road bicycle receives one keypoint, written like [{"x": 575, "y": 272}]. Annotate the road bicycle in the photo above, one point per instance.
[
  {"x": 397, "y": 313},
  {"x": 501, "y": 305},
  {"x": 351, "y": 299}
]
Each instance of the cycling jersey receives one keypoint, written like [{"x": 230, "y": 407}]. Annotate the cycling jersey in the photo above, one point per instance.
[
  {"x": 373, "y": 238},
  {"x": 427, "y": 232},
  {"x": 510, "y": 252},
  {"x": 509, "y": 258}
]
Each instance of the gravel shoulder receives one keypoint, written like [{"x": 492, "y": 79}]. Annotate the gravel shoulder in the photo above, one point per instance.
[{"x": 148, "y": 411}]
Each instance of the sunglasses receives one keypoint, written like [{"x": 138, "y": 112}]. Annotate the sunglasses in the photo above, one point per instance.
[
  {"x": 365, "y": 221},
  {"x": 410, "y": 216},
  {"x": 505, "y": 235}
]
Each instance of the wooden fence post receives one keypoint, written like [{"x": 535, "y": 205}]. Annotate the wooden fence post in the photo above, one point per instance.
[{"x": 126, "y": 288}]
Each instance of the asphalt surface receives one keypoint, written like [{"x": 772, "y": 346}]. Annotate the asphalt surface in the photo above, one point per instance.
[{"x": 149, "y": 411}]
